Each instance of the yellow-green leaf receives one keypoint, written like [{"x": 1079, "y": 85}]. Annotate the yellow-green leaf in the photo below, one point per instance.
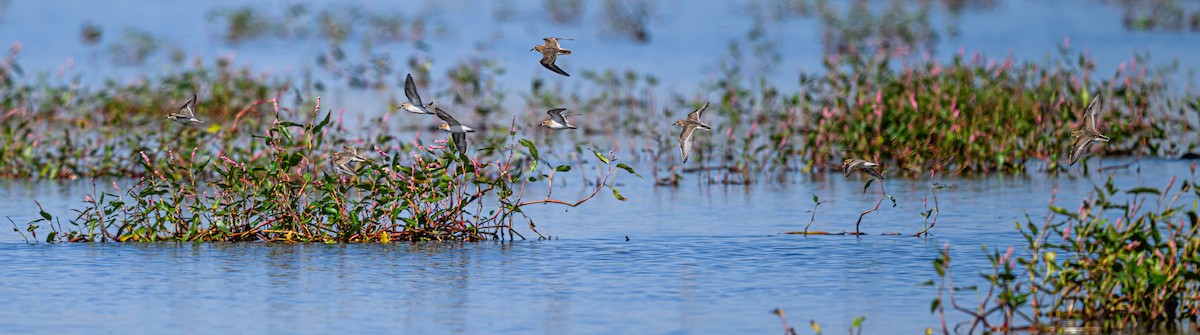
[
  {"x": 618, "y": 195},
  {"x": 628, "y": 169},
  {"x": 601, "y": 156}
]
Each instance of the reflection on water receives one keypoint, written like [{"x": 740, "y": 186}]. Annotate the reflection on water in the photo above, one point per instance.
[{"x": 699, "y": 259}]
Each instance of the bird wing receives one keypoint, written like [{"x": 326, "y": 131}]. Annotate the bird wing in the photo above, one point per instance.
[
  {"x": 355, "y": 157},
  {"x": 445, "y": 117},
  {"x": 869, "y": 171},
  {"x": 548, "y": 62},
  {"x": 410, "y": 91},
  {"x": 186, "y": 109},
  {"x": 695, "y": 115},
  {"x": 460, "y": 141},
  {"x": 1079, "y": 146},
  {"x": 1089, "y": 116},
  {"x": 685, "y": 142},
  {"x": 552, "y": 42},
  {"x": 343, "y": 168},
  {"x": 556, "y": 115}
]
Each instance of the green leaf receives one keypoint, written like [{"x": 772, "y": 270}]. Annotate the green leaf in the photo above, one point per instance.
[
  {"x": 815, "y": 199},
  {"x": 868, "y": 184},
  {"x": 1060, "y": 210},
  {"x": 858, "y": 322},
  {"x": 563, "y": 168},
  {"x": 532, "y": 153},
  {"x": 618, "y": 195},
  {"x": 1143, "y": 189},
  {"x": 627, "y": 169},
  {"x": 201, "y": 167},
  {"x": 324, "y": 122},
  {"x": 602, "y": 157},
  {"x": 46, "y": 216}
]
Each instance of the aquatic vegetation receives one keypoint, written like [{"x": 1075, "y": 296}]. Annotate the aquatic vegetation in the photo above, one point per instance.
[
  {"x": 931, "y": 214},
  {"x": 867, "y": 169},
  {"x": 867, "y": 30},
  {"x": 1160, "y": 15},
  {"x": 274, "y": 189},
  {"x": 628, "y": 18},
  {"x": 816, "y": 203},
  {"x": 62, "y": 130},
  {"x": 969, "y": 115},
  {"x": 297, "y": 21},
  {"x": 90, "y": 33},
  {"x": 1124, "y": 260},
  {"x": 983, "y": 116},
  {"x": 134, "y": 47},
  {"x": 564, "y": 11},
  {"x": 855, "y": 326}
]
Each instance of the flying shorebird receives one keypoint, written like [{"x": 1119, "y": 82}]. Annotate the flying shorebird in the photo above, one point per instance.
[
  {"x": 557, "y": 121},
  {"x": 550, "y": 52},
  {"x": 458, "y": 132},
  {"x": 414, "y": 103},
  {"x": 342, "y": 160},
  {"x": 863, "y": 166},
  {"x": 186, "y": 114},
  {"x": 689, "y": 126},
  {"x": 1088, "y": 133}
]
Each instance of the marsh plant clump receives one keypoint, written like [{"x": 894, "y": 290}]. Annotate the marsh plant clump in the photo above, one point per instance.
[
  {"x": 967, "y": 116},
  {"x": 1125, "y": 260},
  {"x": 973, "y": 115},
  {"x": 872, "y": 97},
  {"x": 276, "y": 189},
  {"x": 61, "y": 130}
]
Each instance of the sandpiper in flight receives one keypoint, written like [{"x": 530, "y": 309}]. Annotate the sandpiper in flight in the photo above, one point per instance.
[
  {"x": 550, "y": 52},
  {"x": 689, "y": 126},
  {"x": 1088, "y": 132},
  {"x": 414, "y": 103},
  {"x": 863, "y": 166},
  {"x": 341, "y": 160},
  {"x": 186, "y": 114},
  {"x": 557, "y": 121},
  {"x": 458, "y": 132}
]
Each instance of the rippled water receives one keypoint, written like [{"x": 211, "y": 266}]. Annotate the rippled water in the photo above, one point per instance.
[{"x": 698, "y": 259}]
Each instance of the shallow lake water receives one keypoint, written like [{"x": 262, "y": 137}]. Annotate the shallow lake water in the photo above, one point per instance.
[
  {"x": 688, "y": 259},
  {"x": 699, "y": 259}
]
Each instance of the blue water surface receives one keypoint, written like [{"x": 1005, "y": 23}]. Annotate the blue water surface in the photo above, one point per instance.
[{"x": 691, "y": 259}]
